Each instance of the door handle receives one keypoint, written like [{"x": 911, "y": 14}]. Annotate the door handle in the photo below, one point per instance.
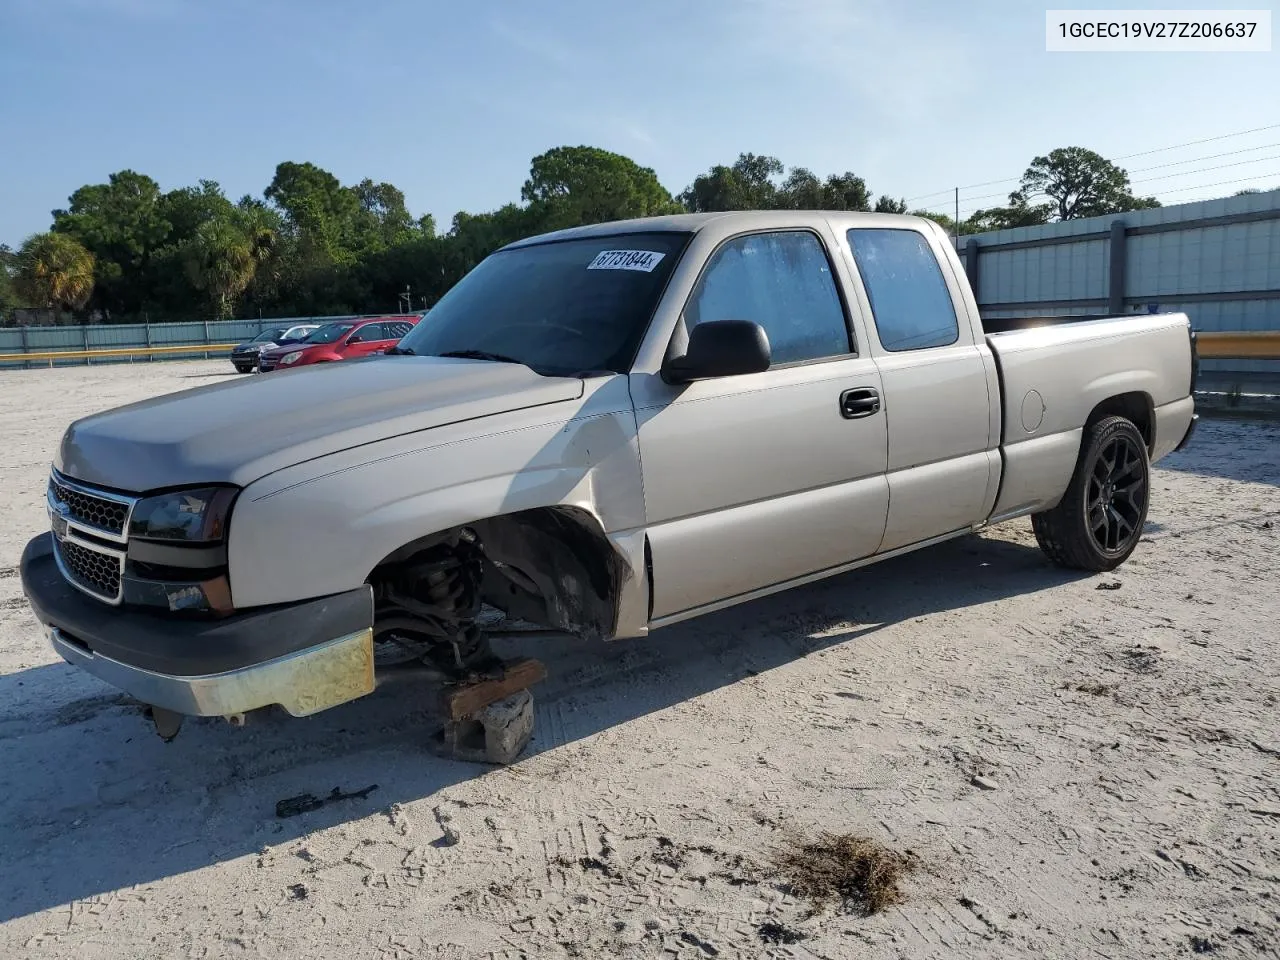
[{"x": 859, "y": 402}]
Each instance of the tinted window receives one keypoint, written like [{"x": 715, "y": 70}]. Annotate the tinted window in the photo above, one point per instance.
[
  {"x": 909, "y": 297},
  {"x": 561, "y": 307},
  {"x": 783, "y": 282},
  {"x": 398, "y": 329},
  {"x": 329, "y": 333},
  {"x": 370, "y": 331}
]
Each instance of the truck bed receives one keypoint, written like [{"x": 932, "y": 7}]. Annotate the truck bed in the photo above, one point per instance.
[{"x": 1053, "y": 375}]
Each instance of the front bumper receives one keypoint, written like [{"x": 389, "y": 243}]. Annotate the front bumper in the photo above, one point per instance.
[{"x": 304, "y": 657}]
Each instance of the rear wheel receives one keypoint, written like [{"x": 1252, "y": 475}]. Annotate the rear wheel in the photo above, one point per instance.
[{"x": 1099, "y": 520}]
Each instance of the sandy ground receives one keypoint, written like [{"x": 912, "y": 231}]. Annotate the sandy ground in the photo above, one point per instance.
[{"x": 1128, "y": 736}]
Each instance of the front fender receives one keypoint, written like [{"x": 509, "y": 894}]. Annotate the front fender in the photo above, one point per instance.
[{"x": 320, "y": 527}]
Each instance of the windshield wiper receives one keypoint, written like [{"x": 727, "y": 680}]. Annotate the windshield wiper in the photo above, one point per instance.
[
  {"x": 481, "y": 355},
  {"x": 398, "y": 351}
]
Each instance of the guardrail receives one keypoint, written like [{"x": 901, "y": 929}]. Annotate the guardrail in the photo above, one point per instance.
[
  {"x": 1255, "y": 345},
  {"x": 52, "y": 355},
  {"x": 1212, "y": 344}
]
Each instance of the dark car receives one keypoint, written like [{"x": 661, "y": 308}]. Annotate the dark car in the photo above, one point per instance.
[
  {"x": 245, "y": 356},
  {"x": 340, "y": 340}
]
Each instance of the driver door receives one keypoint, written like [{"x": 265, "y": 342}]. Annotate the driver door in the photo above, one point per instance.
[
  {"x": 365, "y": 340},
  {"x": 751, "y": 481}
]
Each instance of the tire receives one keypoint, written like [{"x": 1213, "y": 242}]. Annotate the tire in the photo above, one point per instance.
[
  {"x": 1100, "y": 518},
  {"x": 241, "y": 369}
]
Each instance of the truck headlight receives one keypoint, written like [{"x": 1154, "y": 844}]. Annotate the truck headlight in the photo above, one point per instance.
[
  {"x": 194, "y": 516},
  {"x": 289, "y": 358}
]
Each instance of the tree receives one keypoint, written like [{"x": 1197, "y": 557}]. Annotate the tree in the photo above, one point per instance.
[
  {"x": 318, "y": 209},
  {"x": 571, "y": 186},
  {"x": 382, "y": 221},
  {"x": 1019, "y": 214},
  {"x": 1078, "y": 183},
  {"x": 887, "y": 204},
  {"x": 220, "y": 260},
  {"x": 9, "y": 297},
  {"x": 55, "y": 271},
  {"x": 846, "y": 191},
  {"x": 747, "y": 185},
  {"x": 188, "y": 208},
  {"x": 122, "y": 224}
]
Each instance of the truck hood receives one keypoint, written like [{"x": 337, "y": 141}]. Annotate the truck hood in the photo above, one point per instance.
[{"x": 241, "y": 430}]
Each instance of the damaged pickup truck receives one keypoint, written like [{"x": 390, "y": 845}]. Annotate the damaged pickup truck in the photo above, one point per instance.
[{"x": 597, "y": 432}]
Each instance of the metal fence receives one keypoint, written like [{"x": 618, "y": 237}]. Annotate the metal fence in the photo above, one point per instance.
[
  {"x": 19, "y": 344},
  {"x": 1218, "y": 261}
]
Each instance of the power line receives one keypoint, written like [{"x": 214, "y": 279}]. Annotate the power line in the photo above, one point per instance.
[
  {"x": 1221, "y": 166},
  {"x": 1128, "y": 156},
  {"x": 1225, "y": 183},
  {"x": 1177, "y": 146},
  {"x": 1212, "y": 156}
]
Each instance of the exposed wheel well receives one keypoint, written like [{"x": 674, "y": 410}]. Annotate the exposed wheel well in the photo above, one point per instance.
[
  {"x": 552, "y": 566},
  {"x": 1136, "y": 407}
]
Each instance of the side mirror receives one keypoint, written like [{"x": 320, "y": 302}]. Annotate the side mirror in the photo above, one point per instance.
[{"x": 721, "y": 348}]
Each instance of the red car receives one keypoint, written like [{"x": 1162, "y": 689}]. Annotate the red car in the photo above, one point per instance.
[{"x": 339, "y": 340}]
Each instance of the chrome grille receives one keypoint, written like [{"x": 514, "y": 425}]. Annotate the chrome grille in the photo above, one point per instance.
[
  {"x": 101, "y": 512},
  {"x": 94, "y": 572},
  {"x": 90, "y": 535}
]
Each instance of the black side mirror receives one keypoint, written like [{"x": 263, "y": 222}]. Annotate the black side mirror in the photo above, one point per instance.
[{"x": 721, "y": 348}]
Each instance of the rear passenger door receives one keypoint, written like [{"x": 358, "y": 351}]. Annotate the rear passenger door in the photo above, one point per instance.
[
  {"x": 754, "y": 480},
  {"x": 939, "y": 387}
]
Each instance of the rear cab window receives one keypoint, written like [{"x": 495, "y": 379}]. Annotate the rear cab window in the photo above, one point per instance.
[{"x": 910, "y": 304}]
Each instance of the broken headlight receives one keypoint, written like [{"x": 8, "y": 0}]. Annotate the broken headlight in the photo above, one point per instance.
[{"x": 191, "y": 516}]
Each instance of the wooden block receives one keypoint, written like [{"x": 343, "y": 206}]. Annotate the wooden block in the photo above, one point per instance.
[{"x": 462, "y": 701}]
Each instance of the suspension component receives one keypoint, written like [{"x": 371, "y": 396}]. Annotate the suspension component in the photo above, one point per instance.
[{"x": 427, "y": 606}]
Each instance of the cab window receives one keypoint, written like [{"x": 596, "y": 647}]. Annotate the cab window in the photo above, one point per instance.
[{"x": 910, "y": 302}]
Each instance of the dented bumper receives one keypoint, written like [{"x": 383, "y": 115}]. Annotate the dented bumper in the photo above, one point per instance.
[{"x": 304, "y": 657}]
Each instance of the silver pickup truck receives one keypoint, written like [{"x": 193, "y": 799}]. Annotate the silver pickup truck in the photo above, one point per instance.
[{"x": 599, "y": 432}]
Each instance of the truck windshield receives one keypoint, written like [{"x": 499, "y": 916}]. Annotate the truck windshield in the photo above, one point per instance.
[{"x": 560, "y": 307}]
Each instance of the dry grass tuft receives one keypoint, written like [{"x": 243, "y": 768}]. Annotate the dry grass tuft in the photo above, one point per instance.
[{"x": 859, "y": 873}]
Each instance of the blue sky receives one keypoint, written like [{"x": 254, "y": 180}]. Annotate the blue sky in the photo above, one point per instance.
[{"x": 449, "y": 100}]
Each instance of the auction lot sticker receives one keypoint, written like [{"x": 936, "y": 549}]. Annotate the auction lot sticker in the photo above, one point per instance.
[{"x": 643, "y": 260}]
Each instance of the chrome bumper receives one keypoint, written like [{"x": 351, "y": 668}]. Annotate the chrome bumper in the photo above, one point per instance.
[{"x": 303, "y": 683}]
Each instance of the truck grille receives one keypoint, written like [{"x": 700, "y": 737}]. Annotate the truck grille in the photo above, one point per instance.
[
  {"x": 90, "y": 536},
  {"x": 94, "y": 511},
  {"x": 97, "y": 574}
]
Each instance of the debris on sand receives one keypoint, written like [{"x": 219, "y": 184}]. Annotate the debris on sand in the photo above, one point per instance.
[
  {"x": 1108, "y": 585},
  {"x": 306, "y": 802},
  {"x": 771, "y": 932},
  {"x": 858, "y": 872}
]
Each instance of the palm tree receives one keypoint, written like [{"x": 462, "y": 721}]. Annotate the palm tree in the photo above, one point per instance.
[
  {"x": 220, "y": 260},
  {"x": 55, "y": 271}
]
